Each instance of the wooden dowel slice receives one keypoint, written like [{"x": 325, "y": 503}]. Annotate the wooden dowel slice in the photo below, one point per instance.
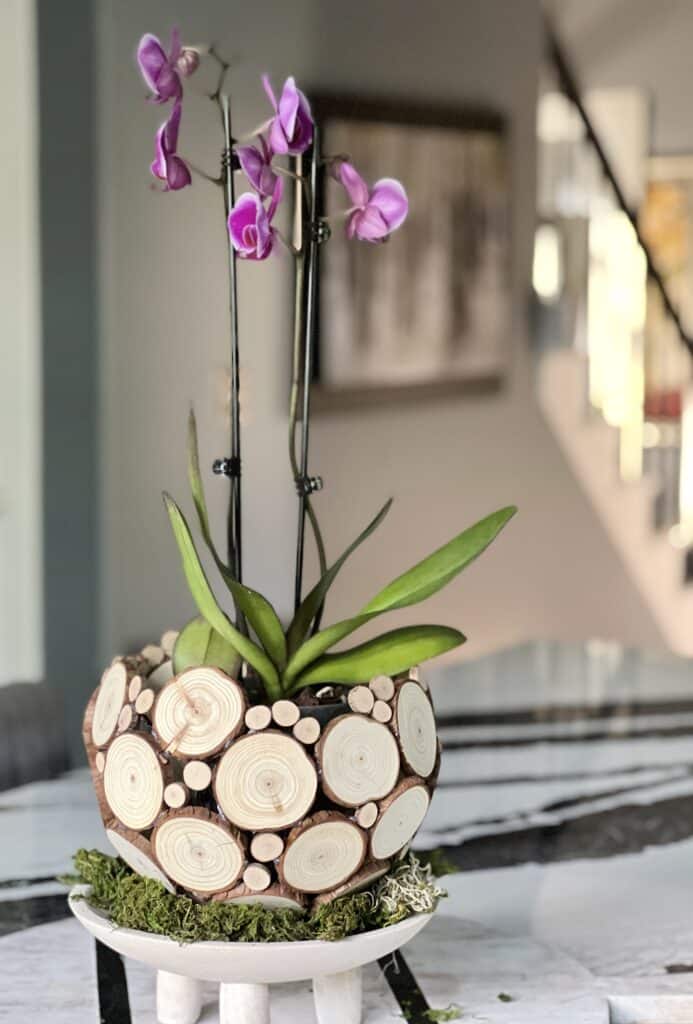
[
  {"x": 134, "y": 780},
  {"x": 110, "y": 698},
  {"x": 168, "y": 642},
  {"x": 145, "y": 701},
  {"x": 154, "y": 654},
  {"x": 176, "y": 795},
  {"x": 415, "y": 727},
  {"x": 198, "y": 850},
  {"x": 266, "y": 846},
  {"x": 136, "y": 851},
  {"x": 359, "y": 760},
  {"x": 197, "y": 775},
  {"x": 258, "y": 717},
  {"x": 307, "y": 730},
  {"x": 368, "y": 874},
  {"x": 400, "y": 816},
  {"x": 366, "y": 815},
  {"x": 383, "y": 688},
  {"x": 134, "y": 688},
  {"x": 125, "y": 718},
  {"x": 360, "y": 699},
  {"x": 265, "y": 780},
  {"x": 322, "y": 853},
  {"x": 381, "y": 712},
  {"x": 285, "y": 713},
  {"x": 198, "y": 711},
  {"x": 100, "y": 761},
  {"x": 257, "y": 877},
  {"x": 276, "y": 897}
]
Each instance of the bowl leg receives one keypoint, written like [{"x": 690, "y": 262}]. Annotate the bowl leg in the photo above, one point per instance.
[
  {"x": 178, "y": 999},
  {"x": 338, "y": 997},
  {"x": 244, "y": 1004}
]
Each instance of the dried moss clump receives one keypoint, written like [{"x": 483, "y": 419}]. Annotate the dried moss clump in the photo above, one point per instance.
[{"x": 132, "y": 901}]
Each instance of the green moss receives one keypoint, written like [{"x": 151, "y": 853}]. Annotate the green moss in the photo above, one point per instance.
[
  {"x": 451, "y": 1012},
  {"x": 132, "y": 901}
]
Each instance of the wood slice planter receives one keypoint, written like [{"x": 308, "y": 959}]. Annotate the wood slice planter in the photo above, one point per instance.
[{"x": 280, "y": 804}]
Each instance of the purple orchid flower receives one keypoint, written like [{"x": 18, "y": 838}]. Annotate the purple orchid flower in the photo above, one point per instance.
[
  {"x": 168, "y": 166},
  {"x": 291, "y": 129},
  {"x": 257, "y": 165},
  {"x": 250, "y": 224},
  {"x": 376, "y": 212},
  {"x": 162, "y": 71}
]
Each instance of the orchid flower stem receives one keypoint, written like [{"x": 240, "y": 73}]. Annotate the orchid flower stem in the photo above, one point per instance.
[
  {"x": 288, "y": 174},
  {"x": 285, "y": 242},
  {"x": 203, "y": 174}
]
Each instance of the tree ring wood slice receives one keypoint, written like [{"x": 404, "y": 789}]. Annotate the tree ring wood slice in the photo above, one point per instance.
[
  {"x": 176, "y": 795},
  {"x": 383, "y": 688},
  {"x": 168, "y": 642},
  {"x": 307, "y": 730},
  {"x": 266, "y": 846},
  {"x": 265, "y": 780},
  {"x": 198, "y": 851},
  {"x": 109, "y": 702},
  {"x": 367, "y": 815},
  {"x": 257, "y": 877},
  {"x": 360, "y": 699},
  {"x": 145, "y": 701},
  {"x": 258, "y": 717},
  {"x": 136, "y": 851},
  {"x": 133, "y": 780},
  {"x": 154, "y": 654},
  {"x": 197, "y": 775},
  {"x": 368, "y": 874},
  {"x": 400, "y": 818},
  {"x": 285, "y": 713},
  {"x": 277, "y": 897},
  {"x": 415, "y": 727},
  {"x": 359, "y": 759},
  {"x": 134, "y": 688},
  {"x": 100, "y": 761},
  {"x": 198, "y": 711},
  {"x": 161, "y": 675},
  {"x": 322, "y": 853},
  {"x": 382, "y": 712},
  {"x": 125, "y": 718}
]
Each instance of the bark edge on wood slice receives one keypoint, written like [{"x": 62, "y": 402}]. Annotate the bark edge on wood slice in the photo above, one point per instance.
[
  {"x": 96, "y": 760},
  {"x": 367, "y": 815},
  {"x": 137, "y": 853},
  {"x": 198, "y": 850},
  {"x": 198, "y": 711},
  {"x": 359, "y": 760},
  {"x": 265, "y": 781},
  {"x": 133, "y": 780},
  {"x": 110, "y": 697},
  {"x": 414, "y": 725},
  {"x": 276, "y": 897},
  {"x": 322, "y": 853},
  {"x": 369, "y": 873},
  {"x": 400, "y": 817}
]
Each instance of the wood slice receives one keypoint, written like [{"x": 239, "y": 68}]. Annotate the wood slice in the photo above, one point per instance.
[
  {"x": 401, "y": 815},
  {"x": 197, "y": 775},
  {"x": 126, "y": 718},
  {"x": 322, "y": 853},
  {"x": 133, "y": 780},
  {"x": 198, "y": 711},
  {"x": 382, "y": 712},
  {"x": 161, "y": 675},
  {"x": 145, "y": 701},
  {"x": 265, "y": 780},
  {"x": 176, "y": 795},
  {"x": 258, "y": 717},
  {"x": 307, "y": 730},
  {"x": 414, "y": 725},
  {"x": 368, "y": 874},
  {"x": 366, "y": 816},
  {"x": 135, "y": 664},
  {"x": 383, "y": 688},
  {"x": 360, "y": 699},
  {"x": 277, "y": 897},
  {"x": 285, "y": 713},
  {"x": 134, "y": 687},
  {"x": 266, "y": 846},
  {"x": 198, "y": 850},
  {"x": 359, "y": 760},
  {"x": 257, "y": 877},
  {"x": 136, "y": 851},
  {"x": 154, "y": 654},
  {"x": 111, "y": 696},
  {"x": 168, "y": 642},
  {"x": 100, "y": 761}
]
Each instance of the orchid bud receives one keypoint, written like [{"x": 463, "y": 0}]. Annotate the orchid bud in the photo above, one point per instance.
[{"x": 188, "y": 62}]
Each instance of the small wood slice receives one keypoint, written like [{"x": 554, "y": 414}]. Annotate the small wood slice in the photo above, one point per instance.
[
  {"x": 145, "y": 701},
  {"x": 126, "y": 718},
  {"x": 266, "y": 846},
  {"x": 307, "y": 730},
  {"x": 366, "y": 816},
  {"x": 285, "y": 713},
  {"x": 135, "y": 664},
  {"x": 382, "y": 712},
  {"x": 161, "y": 675},
  {"x": 198, "y": 850},
  {"x": 176, "y": 795},
  {"x": 257, "y": 877},
  {"x": 133, "y": 780},
  {"x": 322, "y": 853},
  {"x": 136, "y": 851},
  {"x": 360, "y": 699},
  {"x": 265, "y": 780},
  {"x": 368, "y": 874},
  {"x": 197, "y": 775},
  {"x": 96, "y": 759},
  {"x": 415, "y": 727},
  {"x": 258, "y": 717},
  {"x": 198, "y": 711},
  {"x": 401, "y": 815},
  {"x": 154, "y": 654},
  {"x": 100, "y": 761},
  {"x": 168, "y": 642},
  {"x": 359, "y": 760},
  {"x": 134, "y": 688},
  {"x": 111, "y": 696},
  {"x": 276, "y": 897},
  {"x": 383, "y": 688}
]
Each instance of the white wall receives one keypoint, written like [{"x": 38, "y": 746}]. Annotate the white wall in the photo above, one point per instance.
[
  {"x": 21, "y": 599},
  {"x": 164, "y": 333}
]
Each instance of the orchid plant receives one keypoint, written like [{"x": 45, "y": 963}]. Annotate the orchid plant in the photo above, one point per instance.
[{"x": 287, "y": 659}]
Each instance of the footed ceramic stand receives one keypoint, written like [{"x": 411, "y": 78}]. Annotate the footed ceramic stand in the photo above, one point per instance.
[{"x": 245, "y": 970}]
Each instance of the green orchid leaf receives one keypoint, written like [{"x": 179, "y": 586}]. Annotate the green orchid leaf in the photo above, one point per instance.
[
  {"x": 390, "y": 653},
  {"x": 207, "y": 605},
  {"x": 199, "y": 644},
  {"x": 436, "y": 571},
  {"x": 256, "y": 609},
  {"x": 314, "y": 600},
  {"x": 320, "y": 643}
]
